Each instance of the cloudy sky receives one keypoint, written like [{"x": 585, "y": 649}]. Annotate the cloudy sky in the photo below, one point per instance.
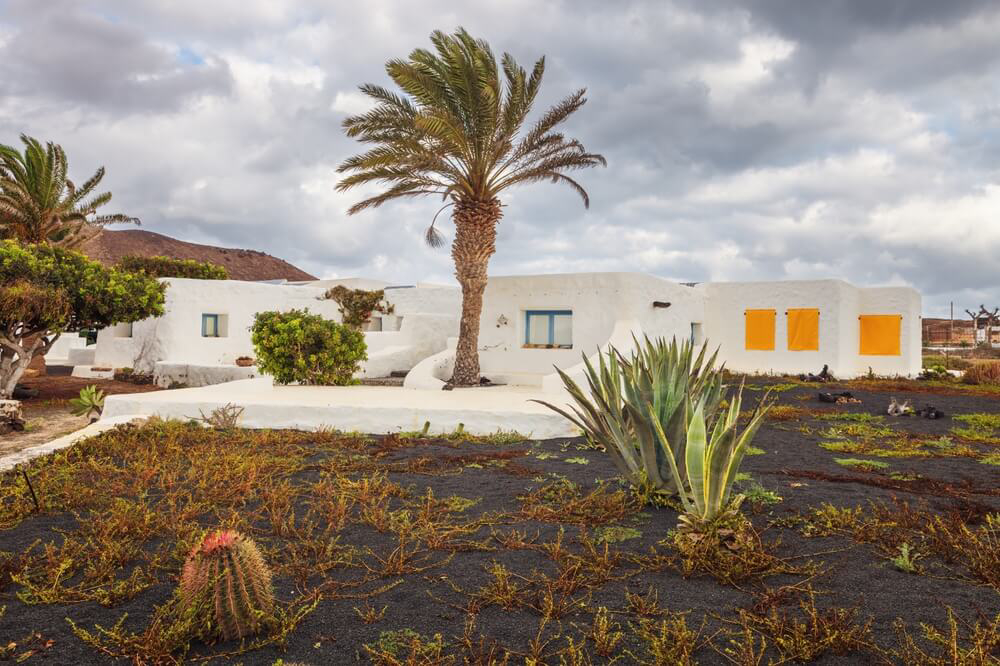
[{"x": 769, "y": 139}]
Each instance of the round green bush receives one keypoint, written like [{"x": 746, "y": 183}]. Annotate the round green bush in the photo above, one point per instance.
[{"x": 297, "y": 346}]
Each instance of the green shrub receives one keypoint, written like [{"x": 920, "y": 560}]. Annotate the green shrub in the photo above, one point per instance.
[
  {"x": 166, "y": 267},
  {"x": 297, "y": 346},
  {"x": 357, "y": 305}
]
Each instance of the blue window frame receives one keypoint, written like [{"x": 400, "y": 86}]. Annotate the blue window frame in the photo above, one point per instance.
[
  {"x": 210, "y": 326},
  {"x": 548, "y": 329}
]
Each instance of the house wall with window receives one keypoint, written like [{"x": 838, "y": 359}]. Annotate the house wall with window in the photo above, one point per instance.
[
  {"x": 857, "y": 328},
  {"x": 206, "y": 323},
  {"x": 534, "y": 322}
]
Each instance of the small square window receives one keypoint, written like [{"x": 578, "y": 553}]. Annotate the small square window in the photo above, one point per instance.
[
  {"x": 548, "y": 329},
  {"x": 123, "y": 330},
  {"x": 210, "y": 326}
]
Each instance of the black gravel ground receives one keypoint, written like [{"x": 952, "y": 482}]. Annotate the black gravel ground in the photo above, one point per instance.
[{"x": 438, "y": 599}]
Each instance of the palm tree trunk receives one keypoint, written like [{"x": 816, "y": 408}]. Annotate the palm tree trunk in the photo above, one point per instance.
[{"x": 475, "y": 242}]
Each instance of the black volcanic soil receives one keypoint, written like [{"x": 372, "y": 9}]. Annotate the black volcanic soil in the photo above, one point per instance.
[{"x": 438, "y": 598}]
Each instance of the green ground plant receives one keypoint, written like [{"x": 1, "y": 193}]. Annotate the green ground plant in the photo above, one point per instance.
[
  {"x": 863, "y": 465},
  {"x": 90, "y": 402}
]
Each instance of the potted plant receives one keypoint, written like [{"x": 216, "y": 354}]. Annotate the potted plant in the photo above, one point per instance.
[{"x": 245, "y": 361}]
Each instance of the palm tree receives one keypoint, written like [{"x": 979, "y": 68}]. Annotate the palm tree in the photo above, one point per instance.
[
  {"x": 40, "y": 204},
  {"x": 456, "y": 133}
]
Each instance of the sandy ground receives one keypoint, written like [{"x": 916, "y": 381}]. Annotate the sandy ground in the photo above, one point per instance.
[
  {"x": 43, "y": 425},
  {"x": 48, "y": 415}
]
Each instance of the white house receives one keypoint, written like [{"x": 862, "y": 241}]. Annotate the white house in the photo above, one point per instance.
[
  {"x": 532, "y": 323},
  {"x": 206, "y": 325}
]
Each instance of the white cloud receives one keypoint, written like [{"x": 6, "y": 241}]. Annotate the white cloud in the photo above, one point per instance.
[{"x": 744, "y": 142}]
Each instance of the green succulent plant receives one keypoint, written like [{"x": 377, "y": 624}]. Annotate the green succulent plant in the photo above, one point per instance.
[
  {"x": 627, "y": 400},
  {"x": 91, "y": 401},
  {"x": 226, "y": 586},
  {"x": 715, "y": 447}
]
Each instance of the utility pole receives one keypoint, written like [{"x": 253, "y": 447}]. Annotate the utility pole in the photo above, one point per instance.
[{"x": 951, "y": 332}]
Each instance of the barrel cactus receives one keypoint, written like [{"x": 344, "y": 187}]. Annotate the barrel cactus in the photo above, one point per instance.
[{"x": 227, "y": 585}]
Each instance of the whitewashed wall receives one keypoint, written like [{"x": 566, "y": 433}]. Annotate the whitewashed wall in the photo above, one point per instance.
[
  {"x": 600, "y": 302},
  {"x": 176, "y": 336}
]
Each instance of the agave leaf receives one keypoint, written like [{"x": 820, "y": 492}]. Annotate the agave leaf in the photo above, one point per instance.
[
  {"x": 685, "y": 498},
  {"x": 695, "y": 458}
]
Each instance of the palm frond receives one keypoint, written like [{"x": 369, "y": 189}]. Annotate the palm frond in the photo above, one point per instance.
[{"x": 457, "y": 128}]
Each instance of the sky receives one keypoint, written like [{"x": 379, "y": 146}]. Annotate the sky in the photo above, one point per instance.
[{"x": 745, "y": 139}]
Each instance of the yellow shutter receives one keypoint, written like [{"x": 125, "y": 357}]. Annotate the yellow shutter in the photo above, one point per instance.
[
  {"x": 759, "y": 330},
  {"x": 880, "y": 334},
  {"x": 803, "y": 329}
]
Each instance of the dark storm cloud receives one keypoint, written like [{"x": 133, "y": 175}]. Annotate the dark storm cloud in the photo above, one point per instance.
[{"x": 746, "y": 140}]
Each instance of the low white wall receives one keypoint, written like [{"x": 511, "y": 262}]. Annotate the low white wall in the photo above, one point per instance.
[
  {"x": 81, "y": 356},
  {"x": 58, "y": 353},
  {"x": 172, "y": 374}
]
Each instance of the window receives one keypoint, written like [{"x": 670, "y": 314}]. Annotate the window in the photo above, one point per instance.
[
  {"x": 880, "y": 334},
  {"x": 123, "y": 330},
  {"x": 210, "y": 326},
  {"x": 549, "y": 329},
  {"x": 697, "y": 337},
  {"x": 803, "y": 329},
  {"x": 759, "y": 330}
]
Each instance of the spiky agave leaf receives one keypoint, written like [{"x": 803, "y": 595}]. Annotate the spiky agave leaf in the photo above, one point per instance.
[
  {"x": 227, "y": 582},
  {"x": 638, "y": 407}
]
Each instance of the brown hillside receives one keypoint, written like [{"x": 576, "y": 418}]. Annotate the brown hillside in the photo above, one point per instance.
[{"x": 110, "y": 246}]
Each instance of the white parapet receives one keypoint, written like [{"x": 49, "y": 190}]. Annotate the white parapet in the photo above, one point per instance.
[{"x": 367, "y": 409}]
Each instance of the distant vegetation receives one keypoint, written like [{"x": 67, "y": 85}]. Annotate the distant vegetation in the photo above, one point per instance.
[{"x": 165, "y": 267}]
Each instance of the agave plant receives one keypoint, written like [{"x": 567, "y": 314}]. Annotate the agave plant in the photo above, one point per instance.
[
  {"x": 629, "y": 401},
  {"x": 226, "y": 586},
  {"x": 91, "y": 401},
  {"x": 711, "y": 462}
]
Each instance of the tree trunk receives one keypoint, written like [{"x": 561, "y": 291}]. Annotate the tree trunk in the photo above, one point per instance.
[
  {"x": 11, "y": 368},
  {"x": 475, "y": 242},
  {"x": 37, "y": 366}
]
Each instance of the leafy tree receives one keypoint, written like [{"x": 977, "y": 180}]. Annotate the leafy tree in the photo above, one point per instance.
[
  {"x": 297, "y": 346},
  {"x": 456, "y": 132},
  {"x": 45, "y": 291},
  {"x": 40, "y": 204},
  {"x": 169, "y": 267}
]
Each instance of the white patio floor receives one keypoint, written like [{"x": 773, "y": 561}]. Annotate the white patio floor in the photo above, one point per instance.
[{"x": 367, "y": 409}]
